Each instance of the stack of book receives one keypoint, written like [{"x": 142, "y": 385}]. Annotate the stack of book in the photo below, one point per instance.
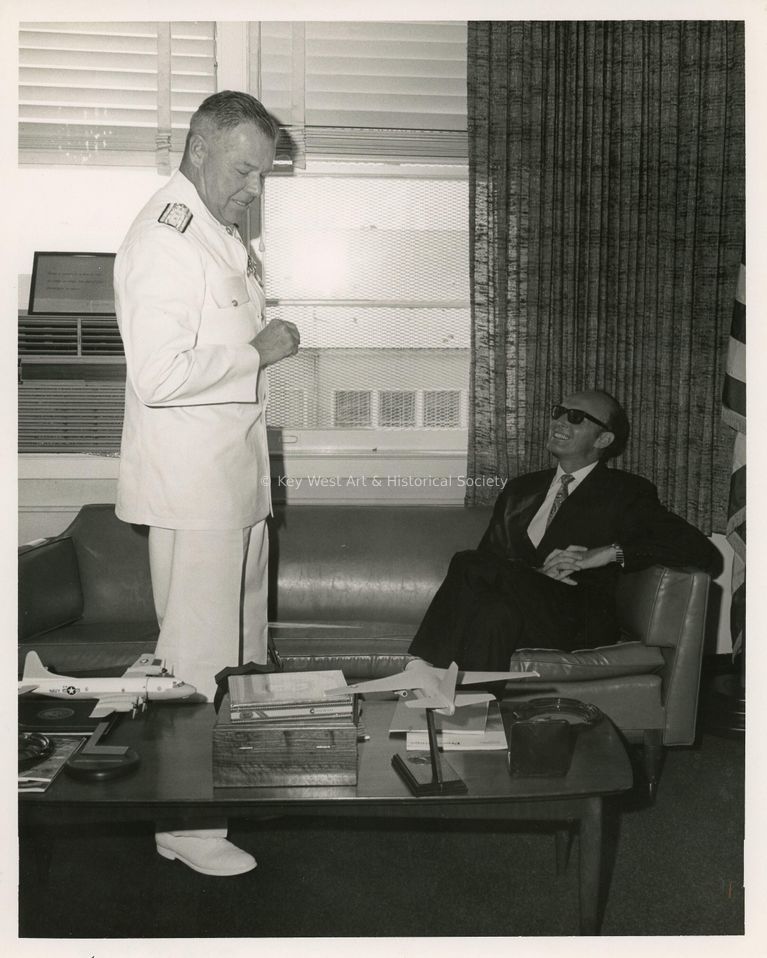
[
  {"x": 477, "y": 727},
  {"x": 281, "y": 729},
  {"x": 291, "y": 696}
]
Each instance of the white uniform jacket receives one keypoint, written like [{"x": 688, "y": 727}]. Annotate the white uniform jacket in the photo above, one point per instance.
[{"x": 194, "y": 451}]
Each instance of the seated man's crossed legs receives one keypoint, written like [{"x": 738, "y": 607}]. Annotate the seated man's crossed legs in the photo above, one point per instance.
[{"x": 488, "y": 607}]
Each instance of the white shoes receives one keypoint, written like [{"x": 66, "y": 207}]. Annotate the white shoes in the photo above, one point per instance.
[{"x": 208, "y": 854}]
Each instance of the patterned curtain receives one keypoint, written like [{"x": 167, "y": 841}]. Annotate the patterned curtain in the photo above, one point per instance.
[
  {"x": 734, "y": 414},
  {"x": 606, "y": 164}
]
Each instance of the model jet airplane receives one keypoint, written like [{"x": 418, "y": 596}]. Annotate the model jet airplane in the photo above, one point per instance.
[
  {"x": 434, "y": 688},
  {"x": 145, "y": 679}
]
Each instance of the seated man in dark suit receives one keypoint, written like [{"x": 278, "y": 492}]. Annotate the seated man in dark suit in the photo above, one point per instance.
[{"x": 545, "y": 571}]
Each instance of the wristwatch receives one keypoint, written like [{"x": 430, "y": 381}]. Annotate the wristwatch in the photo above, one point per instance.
[{"x": 620, "y": 558}]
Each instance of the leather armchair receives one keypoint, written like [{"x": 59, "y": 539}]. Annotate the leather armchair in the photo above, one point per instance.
[{"x": 647, "y": 683}]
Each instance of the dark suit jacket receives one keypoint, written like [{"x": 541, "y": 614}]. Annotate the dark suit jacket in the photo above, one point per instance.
[
  {"x": 493, "y": 585},
  {"x": 608, "y": 506}
]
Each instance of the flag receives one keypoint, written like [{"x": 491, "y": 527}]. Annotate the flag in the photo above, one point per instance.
[{"x": 734, "y": 414}]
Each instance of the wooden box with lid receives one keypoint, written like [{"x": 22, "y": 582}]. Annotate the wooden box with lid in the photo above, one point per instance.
[{"x": 304, "y": 751}]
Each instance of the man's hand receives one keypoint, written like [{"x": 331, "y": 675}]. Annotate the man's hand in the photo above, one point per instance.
[
  {"x": 278, "y": 339},
  {"x": 562, "y": 563}
]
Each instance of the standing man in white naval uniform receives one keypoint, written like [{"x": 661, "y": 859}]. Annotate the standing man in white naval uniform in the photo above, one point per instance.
[{"x": 194, "y": 463}]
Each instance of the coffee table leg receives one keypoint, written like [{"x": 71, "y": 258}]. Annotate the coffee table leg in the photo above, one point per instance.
[{"x": 590, "y": 855}]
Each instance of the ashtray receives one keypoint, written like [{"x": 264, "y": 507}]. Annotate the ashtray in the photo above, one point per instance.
[
  {"x": 542, "y": 733},
  {"x": 545, "y": 709}
]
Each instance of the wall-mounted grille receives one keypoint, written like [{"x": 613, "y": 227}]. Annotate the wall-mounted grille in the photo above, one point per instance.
[
  {"x": 352, "y": 409},
  {"x": 442, "y": 408},
  {"x": 70, "y": 416},
  {"x": 396, "y": 409},
  {"x": 75, "y": 336},
  {"x": 399, "y": 409}
]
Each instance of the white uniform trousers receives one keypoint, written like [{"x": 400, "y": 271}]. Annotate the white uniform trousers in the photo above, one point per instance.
[{"x": 210, "y": 593}]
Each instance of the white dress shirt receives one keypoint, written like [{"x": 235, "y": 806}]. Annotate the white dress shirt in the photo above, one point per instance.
[{"x": 537, "y": 527}]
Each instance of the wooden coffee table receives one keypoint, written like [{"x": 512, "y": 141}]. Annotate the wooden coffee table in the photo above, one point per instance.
[{"x": 173, "y": 780}]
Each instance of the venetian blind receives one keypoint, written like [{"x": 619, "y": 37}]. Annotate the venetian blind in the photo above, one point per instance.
[
  {"x": 374, "y": 90},
  {"x": 111, "y": 91}
]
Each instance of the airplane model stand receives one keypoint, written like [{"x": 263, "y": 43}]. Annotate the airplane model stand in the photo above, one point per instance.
[
  {"x": 96, "y": 762},
  {"x": 434, "y": 688},
  {"x": 436, "y": 778}
]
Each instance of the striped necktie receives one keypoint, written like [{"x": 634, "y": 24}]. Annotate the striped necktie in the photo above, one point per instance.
[{"x": 560, "y": 497}]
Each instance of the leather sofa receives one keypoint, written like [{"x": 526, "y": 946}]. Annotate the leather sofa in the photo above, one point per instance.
[{"x": 348, "y": 587}]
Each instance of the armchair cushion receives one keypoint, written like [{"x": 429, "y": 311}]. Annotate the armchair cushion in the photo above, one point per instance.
[{"x": 605, "y": 662}]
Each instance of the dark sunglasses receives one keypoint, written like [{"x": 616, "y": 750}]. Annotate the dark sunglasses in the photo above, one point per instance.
[{"x": 575, "y": 416}]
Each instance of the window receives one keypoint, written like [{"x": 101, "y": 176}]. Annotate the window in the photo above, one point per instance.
[
  {"x": 366, "y": 248},
  {"x": 104, "y": 92},
  {"x": 374, "y": 271},
  {"x": 372, "y": 266}
]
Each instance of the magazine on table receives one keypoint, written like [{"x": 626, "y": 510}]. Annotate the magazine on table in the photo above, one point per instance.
[
  {"x": 450, "y": 740},
  {"x": 38, "y": 777},
  {"x": 467, "y": 719}
]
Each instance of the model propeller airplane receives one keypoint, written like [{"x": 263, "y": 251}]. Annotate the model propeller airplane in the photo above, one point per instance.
[
  {"x": 145, "y": 679},
  {"x": 434, "y": 688}
]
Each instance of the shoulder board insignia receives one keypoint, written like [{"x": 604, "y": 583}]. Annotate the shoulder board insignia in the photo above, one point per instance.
[{"x": 176, "y": 215}]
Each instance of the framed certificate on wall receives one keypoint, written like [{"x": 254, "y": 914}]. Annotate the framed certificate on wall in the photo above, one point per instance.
[{"x": 72, "y": 284}]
